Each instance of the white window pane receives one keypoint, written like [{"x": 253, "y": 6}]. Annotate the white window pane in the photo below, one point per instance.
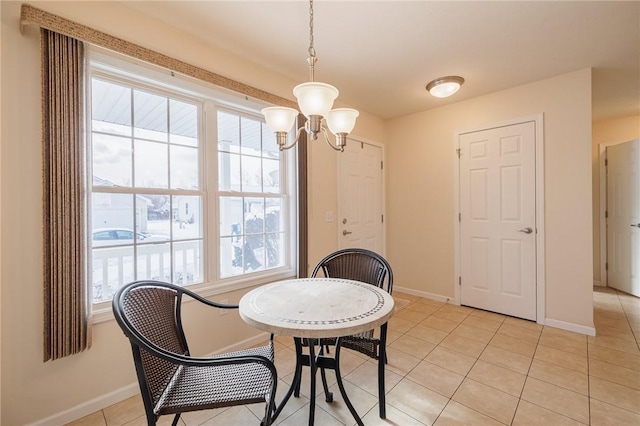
[
  {"x": 254, "y": 234},
  {"x": 230, "y": 217},
  {"x": 228, "y": 132},
  {"x": 111, "y": 268},
  {"x": 275, "y": 249},
  {"x": 187, "y": 217},
  {"x": 110, "y": 108},
  {"x": 271, "y": 175},
  {"x": 184, "y": 167},
  {"x": 254, "y": 253},
  {"x": 229, "y": 172},
  {"x": 230, "y": 257},
  {"x": 251, "y": 174},
  {"x": 154, "y": 262},
  {"x": 153, "y": 215},
  {"x": 250, "y": 136},
  {"x": 112, "y": 160},
  {"x": 149, "y": 116},
  {"x": 269, "y": 146},
  {"x": 111, "y": 213},
  {"x": 187, "y": 263},
  {"x": 183, "y": 123},
  {"x": 273, "y": 217},
  {"x": 151, "y": 165}
]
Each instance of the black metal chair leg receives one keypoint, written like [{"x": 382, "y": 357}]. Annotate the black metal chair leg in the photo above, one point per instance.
[
  {"x": 175, "y": 420},
  {"x": 328, "y": 396},
  {"x": 381, "y": 395},
  {"x": 382, "y": 360}
]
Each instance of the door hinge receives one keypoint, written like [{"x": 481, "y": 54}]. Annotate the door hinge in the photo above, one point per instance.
[
  {"x": 606, "y": 162},
  {"x": 606, "y": 214},
  {"x": 382, "y": 165},
  {"x": 460, "y": 281},
  {"x": 606, "y": 266},
  {"x": 459, "y": 152},
  {"x": 382, "y": 218},
  {"x": 459, "y": 217}
]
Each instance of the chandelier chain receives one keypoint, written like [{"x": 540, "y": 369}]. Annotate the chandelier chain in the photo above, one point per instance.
[{"x": 312, "y": 51}]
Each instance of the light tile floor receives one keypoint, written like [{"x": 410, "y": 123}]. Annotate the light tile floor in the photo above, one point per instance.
[{"x": 453, "y": 365}]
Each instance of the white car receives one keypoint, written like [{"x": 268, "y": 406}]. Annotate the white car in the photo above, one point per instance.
[{"x": 122, "y": 236}]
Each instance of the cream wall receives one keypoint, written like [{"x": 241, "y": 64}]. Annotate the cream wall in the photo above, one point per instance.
[
  {"x": 606, "y": 132},
  {"x": 32, "y": 390},
  {"x": 420, "y": 201}
]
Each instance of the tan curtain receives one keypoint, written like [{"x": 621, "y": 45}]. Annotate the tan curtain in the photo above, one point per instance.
[{"x": 66, "y": 304}]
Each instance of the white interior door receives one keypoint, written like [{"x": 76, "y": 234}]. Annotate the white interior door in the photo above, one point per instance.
[
  {"x": 623, "y": 217},
  {"x": 497, "y": 222},
  {"x": 360, "y": 197}
]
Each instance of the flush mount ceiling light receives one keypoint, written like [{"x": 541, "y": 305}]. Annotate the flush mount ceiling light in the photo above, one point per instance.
[
  {"x": 315, "y": 100},
  {"x": 445, "y": 86}
]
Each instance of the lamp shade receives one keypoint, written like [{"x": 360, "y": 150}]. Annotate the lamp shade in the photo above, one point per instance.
[
  {"x": 315, "y": 98},
  {"x": 342, "y": 120},
  {"x": 445, "y": 86},
  {"x": 279, "y": 119}
]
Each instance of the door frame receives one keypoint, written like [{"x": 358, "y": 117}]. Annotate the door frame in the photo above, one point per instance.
[
  {"x": 340, "y": 165},
  {"x": 538, "y": 121}
]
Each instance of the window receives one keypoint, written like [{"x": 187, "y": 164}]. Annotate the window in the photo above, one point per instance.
[
  {"x": 168, "y": 202},
  {"x": 251, "y": 203}
]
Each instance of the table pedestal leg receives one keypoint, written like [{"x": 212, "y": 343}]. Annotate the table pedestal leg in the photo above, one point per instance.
[
  {"x": 343, "y": 392},
  {"x": 314, "y": 363},
  {"x": 312, "y": 396},
  {"x": 295, "y": 383}
]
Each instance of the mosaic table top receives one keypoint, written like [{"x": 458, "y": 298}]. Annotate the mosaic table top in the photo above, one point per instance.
[{"x": 316, "y": 307}]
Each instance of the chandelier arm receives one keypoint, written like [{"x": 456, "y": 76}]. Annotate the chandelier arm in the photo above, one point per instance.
[
  {"x": 295, "y": 141},
  {"x": 328, "y": 141}
]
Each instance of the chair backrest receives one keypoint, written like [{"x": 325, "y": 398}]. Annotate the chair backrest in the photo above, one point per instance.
[
  {"x": 357, "y": 264},
  {"x": 149, "y": 314}
]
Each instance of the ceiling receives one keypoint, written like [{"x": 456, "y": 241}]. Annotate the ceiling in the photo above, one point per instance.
[{"x": 381, "y": 54}]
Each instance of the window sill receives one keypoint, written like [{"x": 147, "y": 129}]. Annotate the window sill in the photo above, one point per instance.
[{"x": 105, "y": 314}]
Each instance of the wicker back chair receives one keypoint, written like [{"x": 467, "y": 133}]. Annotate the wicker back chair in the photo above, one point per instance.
[
  {"x": 369, "y": 267},
  {"x": 171, "y": 380}
]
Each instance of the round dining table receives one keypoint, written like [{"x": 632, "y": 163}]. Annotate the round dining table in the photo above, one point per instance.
[{"x": 313, "y": 309}]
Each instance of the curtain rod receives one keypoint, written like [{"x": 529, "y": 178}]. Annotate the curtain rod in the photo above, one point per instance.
[{"x": 33, "y": 16}]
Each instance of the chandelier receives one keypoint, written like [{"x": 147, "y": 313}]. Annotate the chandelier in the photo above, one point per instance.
[{"x": 315, "y": 100}]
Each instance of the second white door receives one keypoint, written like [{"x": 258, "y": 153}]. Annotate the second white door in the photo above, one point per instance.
[
  {"x": 623, "y": 211},
  {"x": 360, "y": 197},
  {"x": 497, "y": 220}
]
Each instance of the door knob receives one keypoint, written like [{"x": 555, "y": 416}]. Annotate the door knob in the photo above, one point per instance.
[
  {"x": 345, "y": 232},
  {"x": 526, "y": 230},
  {"x": 638, "y": 225}
]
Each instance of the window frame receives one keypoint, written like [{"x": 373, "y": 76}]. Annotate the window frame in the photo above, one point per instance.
[{"x": 114, "y": 67}]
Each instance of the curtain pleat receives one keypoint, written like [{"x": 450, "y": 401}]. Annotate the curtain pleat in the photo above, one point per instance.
[{"x": 66, "y": 301}]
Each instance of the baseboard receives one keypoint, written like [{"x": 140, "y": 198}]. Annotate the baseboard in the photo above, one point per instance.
[
  {"x": 91, "y": 406},
  {"x": 599, "y": 284},
  {"x": 424, "y": 294},
  {"x": 569, "y": 326},
  {"x": 103, "y": 401}
]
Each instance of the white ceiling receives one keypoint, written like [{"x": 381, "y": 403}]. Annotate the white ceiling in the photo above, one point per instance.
[{"x": 381, "y": 54}]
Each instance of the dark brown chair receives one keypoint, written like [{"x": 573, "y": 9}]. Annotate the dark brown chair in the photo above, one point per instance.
[
  {"x": 369, "y": 267},
  {"x": 171, "y": 380}
]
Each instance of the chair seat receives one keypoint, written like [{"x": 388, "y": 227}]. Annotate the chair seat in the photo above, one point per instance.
[{"x": 223, "y": 385}]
